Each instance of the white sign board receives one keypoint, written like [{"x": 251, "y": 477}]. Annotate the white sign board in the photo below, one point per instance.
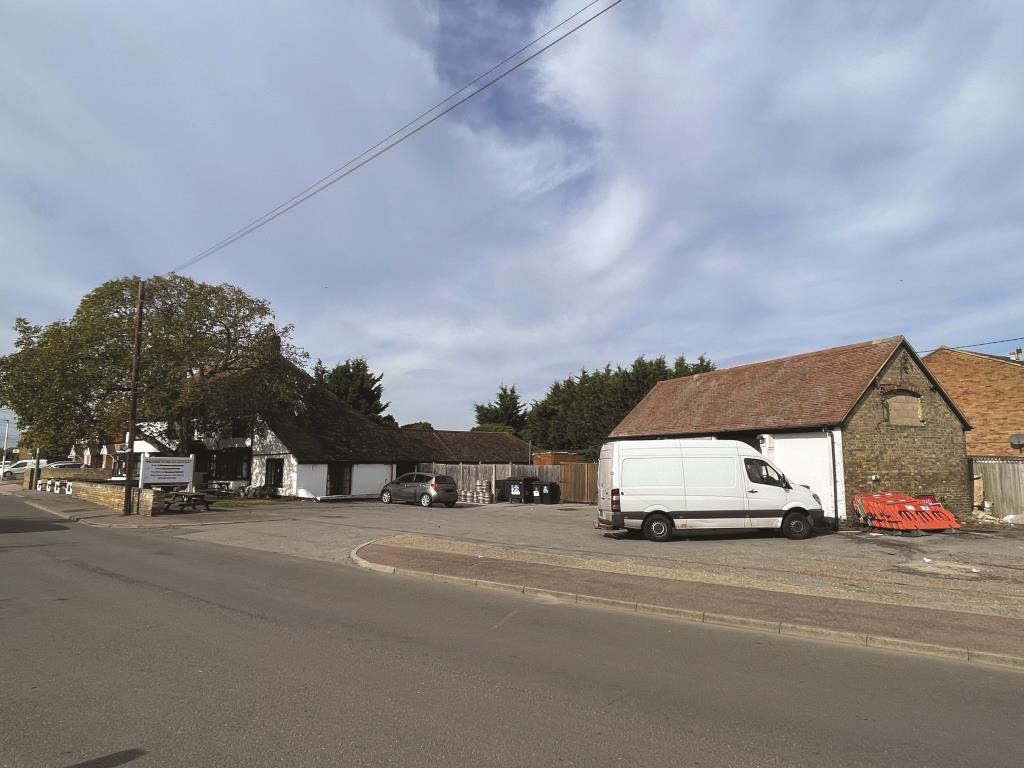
[{"x": 167, "y": 470}]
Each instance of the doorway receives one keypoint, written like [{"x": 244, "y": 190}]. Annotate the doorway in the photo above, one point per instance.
[{"x": 339, "y": 479}]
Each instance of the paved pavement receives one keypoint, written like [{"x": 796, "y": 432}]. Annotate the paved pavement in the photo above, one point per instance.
[
  {"x": 950, "y": 594},
  {"x": 145, "y": 648}
]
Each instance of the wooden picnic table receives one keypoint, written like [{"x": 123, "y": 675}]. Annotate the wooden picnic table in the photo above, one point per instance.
[{"x": 185, "y": 499}]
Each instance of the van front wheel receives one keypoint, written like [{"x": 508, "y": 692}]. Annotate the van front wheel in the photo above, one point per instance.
[
  {"x": 796, "y": 526},
  {"x": 658, "y": 528}
]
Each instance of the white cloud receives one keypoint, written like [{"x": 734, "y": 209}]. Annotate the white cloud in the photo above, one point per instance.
[{"x": 677, "y": 177}]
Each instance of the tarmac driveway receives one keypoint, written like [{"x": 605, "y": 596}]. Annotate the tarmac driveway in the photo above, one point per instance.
[{"x": 972, "y": 571}]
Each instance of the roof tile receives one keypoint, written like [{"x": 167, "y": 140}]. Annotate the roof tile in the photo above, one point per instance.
[{"x": 809, "y": 390}]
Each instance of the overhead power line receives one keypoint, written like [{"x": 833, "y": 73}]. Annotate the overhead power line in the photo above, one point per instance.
[
  {"x": 407, "y": 131},
  {"x": 979, "y": 344}
]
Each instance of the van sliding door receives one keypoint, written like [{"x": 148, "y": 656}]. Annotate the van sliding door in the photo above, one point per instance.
[{"x": 714, "y": 490}]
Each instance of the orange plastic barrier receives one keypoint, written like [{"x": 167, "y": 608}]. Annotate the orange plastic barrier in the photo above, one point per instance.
[{"x": 897, "y": 511}]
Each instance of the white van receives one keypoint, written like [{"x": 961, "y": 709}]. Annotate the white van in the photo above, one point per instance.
[
  {"x": 18, "y": 468},
  {"x": 661, "y": 486}
]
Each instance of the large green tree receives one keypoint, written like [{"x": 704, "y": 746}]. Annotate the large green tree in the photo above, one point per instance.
[
  {"x": 580, "y": 411},
  {"x": 357, "y": 385},
  {"x": 211, "y": 355},
  {"x": 506, "y": 413}
]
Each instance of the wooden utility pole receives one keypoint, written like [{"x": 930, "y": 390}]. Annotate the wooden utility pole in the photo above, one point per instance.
[{"x": 130, "y": 458}]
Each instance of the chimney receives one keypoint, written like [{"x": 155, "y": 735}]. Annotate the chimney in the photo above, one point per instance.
[{"x": 1017, "y": 355}]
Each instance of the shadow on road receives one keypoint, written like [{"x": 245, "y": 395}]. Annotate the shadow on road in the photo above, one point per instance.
[
  {"x": 692, "y": 534},
  {"x": 111, "y": 760},
  {"x": 27, "y": 525}
]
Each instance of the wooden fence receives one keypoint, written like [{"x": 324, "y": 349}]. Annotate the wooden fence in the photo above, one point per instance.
[
  {"x": 466, "y": 475},
  {"x": 1004, "y": 484},
  {"x": 578, "y": 481}
]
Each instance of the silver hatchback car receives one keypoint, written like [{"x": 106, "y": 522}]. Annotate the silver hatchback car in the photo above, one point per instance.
[{"x": 422, "y": 488}]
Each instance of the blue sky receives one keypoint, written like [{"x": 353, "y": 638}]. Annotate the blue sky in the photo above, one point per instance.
[{"x": 746, "y": 180}]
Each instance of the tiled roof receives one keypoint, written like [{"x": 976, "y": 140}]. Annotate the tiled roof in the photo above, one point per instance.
[
  {"x": 328, "y": 429},
  {"x": 814, "y": 389},
  {"x": 485, "y": 447},
  {"x": 990, "y": 392}
]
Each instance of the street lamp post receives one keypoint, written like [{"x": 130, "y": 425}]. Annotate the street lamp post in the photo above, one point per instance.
[{"x": 3, "y": 462}]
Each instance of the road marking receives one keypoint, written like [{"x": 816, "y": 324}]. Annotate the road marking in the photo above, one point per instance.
[{"x": 508, "y": 616}]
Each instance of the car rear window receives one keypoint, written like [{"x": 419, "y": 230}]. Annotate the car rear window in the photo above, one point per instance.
[{"x": 444, "y": 480}]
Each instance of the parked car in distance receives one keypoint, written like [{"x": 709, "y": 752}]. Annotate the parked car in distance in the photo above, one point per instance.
[
  {"x": 65, "y": 465},
  {"x": 422, "y": 488},
  {"x": 17, "y": 469},
  {"x": 660, "y": 487}
]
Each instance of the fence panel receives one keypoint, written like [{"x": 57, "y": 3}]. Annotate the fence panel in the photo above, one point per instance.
[
  {"x": 579, "y": 483},
  {"x": 466, "y": 475},
  {"x": 1004, "y": 484}
]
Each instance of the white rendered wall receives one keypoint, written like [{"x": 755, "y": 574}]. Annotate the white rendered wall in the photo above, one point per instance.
[
  {"x": 259, "y": 471},
  {"x": 840, "y": 476},
  {"x": 806, "y": 458},
  {"x": 268, "y": 444},
  {"x": 368, "y": 479},
  {"x": 311, "y": 480}
]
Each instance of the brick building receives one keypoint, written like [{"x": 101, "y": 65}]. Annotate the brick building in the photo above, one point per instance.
[
  {"x": 990, "y": 392},
  {"x": 866, "y": 417}
]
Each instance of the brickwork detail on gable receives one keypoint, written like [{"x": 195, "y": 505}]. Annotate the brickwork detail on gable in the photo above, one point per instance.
[{"x": 927, "y": 457}]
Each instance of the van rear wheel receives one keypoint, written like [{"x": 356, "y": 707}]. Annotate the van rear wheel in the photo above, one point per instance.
[
  {"x": 796, "y": 526},
  {"x": 658, "y": 528}
]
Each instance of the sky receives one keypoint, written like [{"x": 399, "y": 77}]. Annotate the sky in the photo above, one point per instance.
[{"x": 744, "y": 180}]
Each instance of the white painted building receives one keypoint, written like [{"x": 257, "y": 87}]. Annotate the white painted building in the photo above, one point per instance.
[
  {"x": 325, "y": 448},
  {"x": 859, "y": 418},
  {"x": 814, "y": 459},
  {"x": 276, "y": 466}
]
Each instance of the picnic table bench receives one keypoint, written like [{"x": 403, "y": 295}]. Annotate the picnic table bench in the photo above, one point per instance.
[{"x": 185, "y": 499}]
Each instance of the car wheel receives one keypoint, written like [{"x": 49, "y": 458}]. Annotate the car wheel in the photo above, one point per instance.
[
  {"x": 658, "y": 528},
  {"x": 8, "y": 476},
  {"x": 449, "y": 504},
  {"x": 425, "y": 500},
  {"x": 796, "y": 526},
  {"x": 385, "y": 497}
]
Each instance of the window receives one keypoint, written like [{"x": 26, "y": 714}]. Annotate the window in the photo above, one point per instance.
[
  {"x": 761, "y": 472},
  {"x": 230, "y": 464},
  {"x": 275, "y": 473}
]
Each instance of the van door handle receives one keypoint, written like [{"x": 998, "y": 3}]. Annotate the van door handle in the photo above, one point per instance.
[{"x": 751, "y": 490}]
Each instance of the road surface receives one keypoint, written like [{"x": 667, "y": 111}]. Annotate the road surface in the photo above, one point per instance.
[{"x": 139, "y": 648}]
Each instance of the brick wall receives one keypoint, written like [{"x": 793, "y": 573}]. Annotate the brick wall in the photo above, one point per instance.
[
  {"x": 28, "y": 479},
  {"x": 112, "y": 495},
  {"x": 990, "y": 392},
  {"x": 85, "y": 473},
  {"x": 927, "y": 457}
]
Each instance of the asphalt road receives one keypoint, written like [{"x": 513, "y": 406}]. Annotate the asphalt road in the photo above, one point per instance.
[
  {"x": 974, "y": 572},
  {"x": 138, "y": 648}
]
